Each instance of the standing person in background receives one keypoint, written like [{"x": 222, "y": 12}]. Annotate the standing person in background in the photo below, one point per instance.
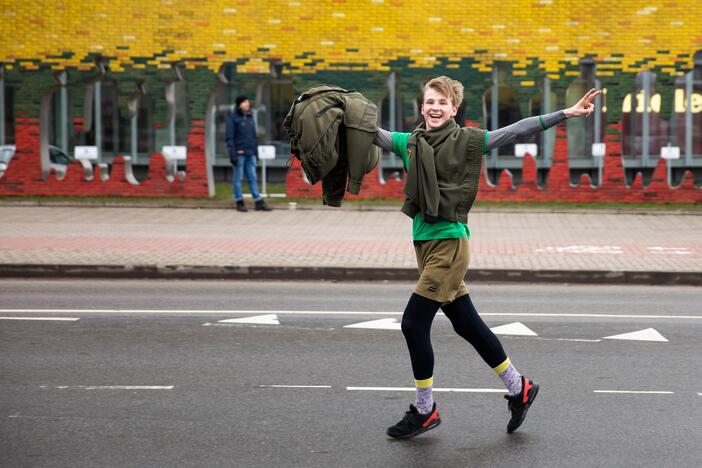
[{"x": 242, "y": 144}]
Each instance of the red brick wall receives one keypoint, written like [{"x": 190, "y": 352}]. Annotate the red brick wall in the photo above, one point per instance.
[
  {"x": 612, "y": 189},
  {"x": 23, "y": 175}
]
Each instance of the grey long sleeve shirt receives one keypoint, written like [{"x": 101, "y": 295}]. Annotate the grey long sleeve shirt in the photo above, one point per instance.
[{"x": 501, "y": 136}]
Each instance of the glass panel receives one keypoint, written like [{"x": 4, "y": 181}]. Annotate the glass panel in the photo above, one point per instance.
[
  {"x": 281, "y": 98},
  {"x": 508, "y": 111},
  {"x": 182, "y": 117},
  {"x": 688, "y": 95},
  {"x": 225, "y": 98},
  {"x": 110, "y": 119},
  {"x": 60, "y": 125},
  {"x": 9, "y": 114},
  {"x": 146, "y": 137},
  {"x": 643, "y": 132},
  {"x": 581, "y": 132}
]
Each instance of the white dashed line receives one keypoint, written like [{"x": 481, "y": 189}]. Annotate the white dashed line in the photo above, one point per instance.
[
  {"x": 111, "y": 387},
  {"x": 295, "y": 386},
  {"x": 438, "y": 389},
  {"x": 334, "y": 312},
  {"x": 51, "y": 319},
  {"x": 643, "y": 392}
]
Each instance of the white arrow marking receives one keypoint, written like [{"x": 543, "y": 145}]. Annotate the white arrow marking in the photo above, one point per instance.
[
  {"x": 382, "y": 324},
  {"x": 649, "y": 334},
  {"x": 516, "y": 328},
  {"x": 268, "y": 319}
]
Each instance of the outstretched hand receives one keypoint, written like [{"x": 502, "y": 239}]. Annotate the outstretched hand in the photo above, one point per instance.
[{"x": 585, "y": 106}]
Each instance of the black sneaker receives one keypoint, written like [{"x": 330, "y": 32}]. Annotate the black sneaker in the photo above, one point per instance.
[
  {"x": 240, "y": 206},
  {"x": 414, "y": 423},
  {"x": 261, "y": 206},
  {"x": 519, "y": 404}
]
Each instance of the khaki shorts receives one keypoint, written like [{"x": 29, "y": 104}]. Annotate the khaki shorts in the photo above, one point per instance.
[{"x": 442, "y": 264}]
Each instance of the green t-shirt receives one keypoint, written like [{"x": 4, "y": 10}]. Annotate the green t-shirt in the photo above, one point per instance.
[{"x": 422, "y": 230}]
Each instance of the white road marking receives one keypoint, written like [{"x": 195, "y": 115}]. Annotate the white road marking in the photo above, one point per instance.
[
  {"x": 644, "y": 392},
  {"x": 583, "y": 249},
  {"x": 52, "y": 319},
  {"x": 649, "y": 334},
  {"x": 268, "y": 319},
  {"x": 700, "y": 394},
  {"x": 573, "y": 339},
  {"x": 382, "y": 324},
  {"x": 438, "y": 389},
  {"x": 295, "y": 386},
  {"x": 516, "y": 328},
  {"x": 333, "y": 312},
  {"x": 111, "y": 387},
  {"x": 670, "y": 250}
]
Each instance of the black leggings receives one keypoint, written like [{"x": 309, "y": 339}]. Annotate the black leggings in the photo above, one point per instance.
[{"x": 416, "y": 326}]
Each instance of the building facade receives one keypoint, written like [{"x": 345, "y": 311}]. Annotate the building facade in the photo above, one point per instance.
[{"x": 131, "y": 78}]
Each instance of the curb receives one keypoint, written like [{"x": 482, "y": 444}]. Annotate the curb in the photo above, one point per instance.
[
  {"x": 316, "y": 205},
  {"x": 279, "y": 273}
]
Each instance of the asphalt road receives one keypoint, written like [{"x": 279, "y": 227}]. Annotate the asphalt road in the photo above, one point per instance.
[{"x": 143, "y": 373}]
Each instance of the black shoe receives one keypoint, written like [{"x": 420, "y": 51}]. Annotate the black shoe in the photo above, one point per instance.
[
  {"x": 261, "y": 206},
  {"x": 241, "y": 207},
  {"x": 519, "y": 404},
  {"x": 414, "y": 423}
]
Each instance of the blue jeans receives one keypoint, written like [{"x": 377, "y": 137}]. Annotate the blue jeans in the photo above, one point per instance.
[{"x": 245, "y": 163}]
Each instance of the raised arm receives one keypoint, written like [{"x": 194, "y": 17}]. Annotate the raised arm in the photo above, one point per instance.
[
  {"x": 530, "y": 125},
  {"x": 383, "y": 139}
]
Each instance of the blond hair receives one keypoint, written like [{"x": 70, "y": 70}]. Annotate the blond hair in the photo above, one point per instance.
[{"x": 445, "y": 86}]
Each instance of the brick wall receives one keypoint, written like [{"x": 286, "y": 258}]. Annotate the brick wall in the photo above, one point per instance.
[
  {"x": 354, "y": 44},
  {"x": 558, "y": 188},
  {"x": 24, "y": 177}
]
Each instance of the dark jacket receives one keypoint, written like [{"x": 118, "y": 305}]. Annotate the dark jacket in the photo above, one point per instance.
[
  {"x": 444, "y": 172},
  {"x": 241, "y": 133},
  {"x": 332, "y": 132}
]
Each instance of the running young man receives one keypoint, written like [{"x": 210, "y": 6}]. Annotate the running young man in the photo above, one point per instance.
[{"x": 443, "y": 163}]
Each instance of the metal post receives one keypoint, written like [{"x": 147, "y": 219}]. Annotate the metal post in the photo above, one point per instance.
[
  {"x": 393, "y": 101},
  {"x": 598, "y": 126},
  {"x": 135, "y": 129},
  {"x": 646, "y": 124},
  {"x": 172, "y": 123},
  {"x": 212, "y": 153},
  {"x": 598, "y": 113},
  {"x": 688, "y": 119},
  {"x": 98, "y": 119},
  {"x": 64, "y": 113},
  {"x": 263, "y": 177},
  {"x": 548, "y": 134},
  {"x": 494, "y": 109}
]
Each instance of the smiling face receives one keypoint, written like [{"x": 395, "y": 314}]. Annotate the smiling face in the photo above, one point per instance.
[{"x": 437, "y": 108}]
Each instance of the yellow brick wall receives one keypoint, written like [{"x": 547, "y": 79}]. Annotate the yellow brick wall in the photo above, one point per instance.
[{"x": 340, "y": 33}]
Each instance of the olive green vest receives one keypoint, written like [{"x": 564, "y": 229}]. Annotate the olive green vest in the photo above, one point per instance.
[{"x": 444, "y": 171}]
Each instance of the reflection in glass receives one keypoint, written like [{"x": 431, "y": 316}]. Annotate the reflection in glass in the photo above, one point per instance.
[
  {"x": 582, "y": 133},
  {"x": 643, "y": 129},
  {"x": 7, "y": 107}
]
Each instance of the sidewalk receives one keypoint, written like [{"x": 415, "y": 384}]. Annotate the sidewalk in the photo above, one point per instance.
[{"x": 337, "y": 244}]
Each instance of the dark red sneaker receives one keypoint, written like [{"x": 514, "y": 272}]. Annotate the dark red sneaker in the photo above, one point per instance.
[
  {"x": 519, "y": 404},
  {"x": 414, "y": 423}
]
